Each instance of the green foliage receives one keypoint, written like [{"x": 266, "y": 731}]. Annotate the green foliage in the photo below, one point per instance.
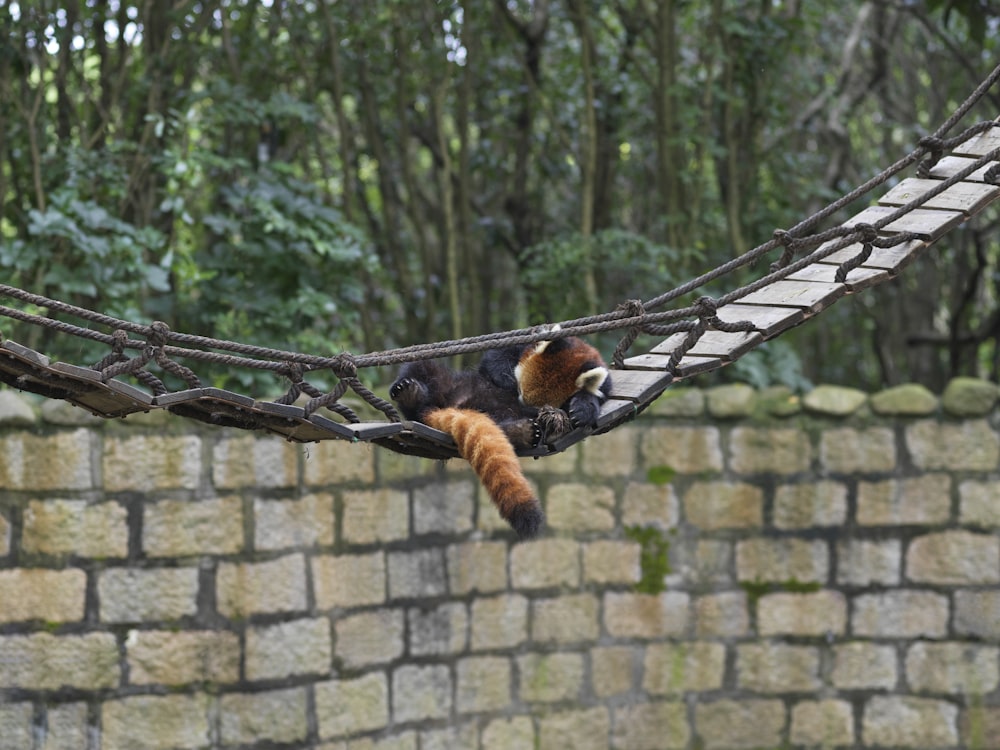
[{"x": 660, "y": 475}]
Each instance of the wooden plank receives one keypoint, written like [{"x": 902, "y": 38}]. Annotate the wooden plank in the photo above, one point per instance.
[
  {"x": 687, "y": 367},
  {"x": 719, "y": 344},
  {"x": 638, "y": 385},
  {"x": 807, "y": 296},
  {"x": 948, "y": 166},
  {"x": 857, "y": 278},
  {"x": 981, "y": 144},
  {"x": 967, "y": 197},
  {"x": 928, "y": 223},
  {"x": 290, "y": 422},
  {"x": 892, "y": 259},
  {"x": 769, "y": 321},
  {"x": 614, "y": 411},
  {"x": 109, "y": 400},
  {"x": 25, "y": 354}
]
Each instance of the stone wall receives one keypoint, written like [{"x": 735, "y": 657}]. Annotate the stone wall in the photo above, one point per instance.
[{"x": 732, "y": 570}]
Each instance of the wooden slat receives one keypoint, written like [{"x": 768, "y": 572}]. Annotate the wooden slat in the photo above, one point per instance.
[
  {"x": 687, "y": 367},
  {"x": 109, "y": 400},
  {"x": 967, "y": 197},
  {"x": 948, "y": 166},
  {"x": 857, "y": 278},
  {"x": 928, "y": 223},
  {"x": 770, "y": 321},
  {"x": 712, "y": 343},
  {"x": 981, "y": 144},
  {"x": 638, "y": 385},
  {"x": 892, "y": 259},
  {"x": 614, "y": 411},
  {"x": 805, "y": 295},
  {"x": 290, "y": 422}
]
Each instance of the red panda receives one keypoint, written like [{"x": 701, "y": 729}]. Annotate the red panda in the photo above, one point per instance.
[{"x": 514, "y": 400}]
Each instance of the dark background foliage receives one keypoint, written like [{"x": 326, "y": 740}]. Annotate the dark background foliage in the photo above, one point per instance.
[{"x": 357, "y": 175}]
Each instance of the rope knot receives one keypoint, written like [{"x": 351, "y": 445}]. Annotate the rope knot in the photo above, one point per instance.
[
  {"x": 866, "y": 232},
  {"x": 783, "y": 237},
  {"x": 118, "y": 341},
  {"x": 706, "y": 307},
  {"x": 992, "y": 175},
  {"x": 158, "y": 333},
  {"x": 931, "y": 143},
  {"x": 344, "y": 366},
  {"x": 633, "y": 308}
]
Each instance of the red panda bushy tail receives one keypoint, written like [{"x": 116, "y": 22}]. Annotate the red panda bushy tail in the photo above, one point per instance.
[{"x": 485, "y": 446}]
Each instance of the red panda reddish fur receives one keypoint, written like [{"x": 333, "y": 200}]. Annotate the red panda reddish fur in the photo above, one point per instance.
[{"x": 484, "y": 445}]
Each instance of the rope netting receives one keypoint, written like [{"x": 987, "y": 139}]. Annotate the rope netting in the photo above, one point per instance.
[{"x": 797, "y": 247}]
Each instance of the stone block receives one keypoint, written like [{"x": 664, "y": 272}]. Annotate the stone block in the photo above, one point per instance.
[
  {"x": 584, "y": 729},
  {"x": 908, "y": 722},
  {"x": 847, "y": 450},
  {"x": 679, "y": 401},
  {"x": 455, "y": 737},
  {"x": 722, "y": 615},
  {"x": 860, "y": 665},
  {"x": 417, "y": 574},
  {"x": 549, "y": 678},
  {"x": 979, "y": 726},
  {"x": 580, "y": 507},
  {"x": 17, "y": 726},
  {"x": 156, "y": 722},
  {"x": 613, "y": 454},
  {"x": 369, "y": 638},
  {"x": 39, "y": 463},
  {"x": 977, "y": 613},
  {"x": 67, "y": 727},
  {"x": 444, "y": 507},
  {"x": 978, "y": 503},
  {"x": 724, "y": 505},
  {"x": 834, "y": 400},
  {"x": 570, "y": 618},
  {"x": 508, "y": 733},
  {"x": 611, "y": 561},
  {"x": 42, "y": 594},
  {"x": 613, "y": 669},
  {"x": 75, "y": 527},
  {"x": 381, "y": 515},
  {"x": 296, "y": 647},
  {"x": 740, "y": 725},
  {"x": 862, "y": 562},
  {"x": 477, "y": 567},
  {"x": 545, "y": 563},
  {"x": 969, "y": 397},
  {"x": 778, "y": 401},
  {"x": 730, "y": 401},
  {"x": 954, "y": 557},
  {"x": 338, "y": 462},
  {"x": 16, "y": 409},
  {"x": 42, "y": 661},
  {"x": 499, "y": 622},
  {"x": 247, "y": 460},
  {"x": 678, "y": 668},
  {"x": 275, "y": 715},
  {"x": 4, "y": 536},
  {"x": 803, "y": 506},
  {"x": 306, "y": 521},
  {"x": 966, "y": 446},
  {"x": 482, "y": 684},
  {"x": 277, "y": 585},
  {"x": 421, "y": 692},
  {"x": 819, "y": 613},
  {"x": 152, "y": 462},
  {"x": 646, "y": 504},
  {"x": 632, "y": 615},
  {"x": 778, "y": 668},
  {"x": 954, "y": 668},
  {"x": 439, "y": 630},
  {"x": 686, "y": 450},
  {"x": 900, "y": 502},
  {"x": 178, "y": 528},
  {"x": 349, "y": 580},
  {"x": 782, "y": 559},
  {"x": 488, "y": 520},
  {"x": 147, "y": 594},
  {"x": 900, "y": 614},
  {"x": 710, "y": 564},
  {"x": 907, "y": 400},
  {"x": 823, "y": 723},
  {"x": 764, "y": 450},
  {"x": 168, "y": 657},
  {"x": 651, "y": 726},
  {"x": 347, "y": 706}
]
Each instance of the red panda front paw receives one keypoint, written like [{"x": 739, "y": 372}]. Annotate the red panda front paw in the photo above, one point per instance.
[
  {"x": 550, "y": 424},
  {"x": 584, "y": 408},
  {"x": 407, "y": 390}
]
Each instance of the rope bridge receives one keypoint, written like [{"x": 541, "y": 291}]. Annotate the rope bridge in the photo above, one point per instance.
[{"x": 956, "y": 178}]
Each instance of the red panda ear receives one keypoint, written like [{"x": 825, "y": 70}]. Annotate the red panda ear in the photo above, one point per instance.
[{"x": 591, "y": 380}]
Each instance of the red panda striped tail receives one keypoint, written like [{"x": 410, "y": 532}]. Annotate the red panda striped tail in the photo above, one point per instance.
[{"x": 485, "y": 446}]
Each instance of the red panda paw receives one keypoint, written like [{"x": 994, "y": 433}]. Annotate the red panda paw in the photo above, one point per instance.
[
  {"x": 550, "y": 424},
  {"x": 526, "y": 519}
]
